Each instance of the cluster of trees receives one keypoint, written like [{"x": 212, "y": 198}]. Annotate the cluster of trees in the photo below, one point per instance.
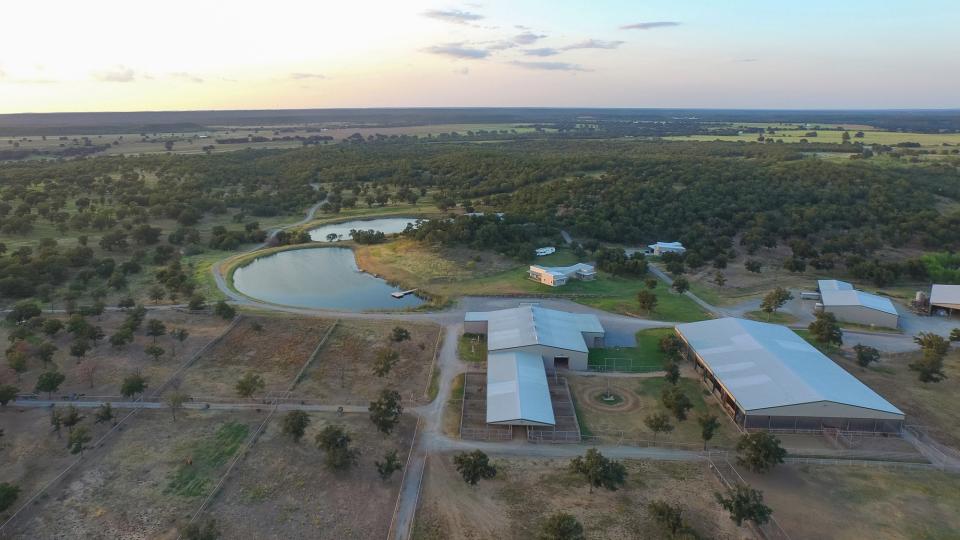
[
  {"x": 929, "y": 366},
  {"x": 510, "y": 236},
  {"x": 615, "y": 261},
  {"x": 222, "y": 239},
  {"x": 368, "y": 236},
  {"x": 335, "y": 443}
]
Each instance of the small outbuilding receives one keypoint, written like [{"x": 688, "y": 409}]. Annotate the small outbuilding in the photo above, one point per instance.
[
  {"x": 851, "y": 305},
  {"x": 946, "y": 297},
  {"x": 769, "y": 378},
  {"x": 556, "y": 276}
]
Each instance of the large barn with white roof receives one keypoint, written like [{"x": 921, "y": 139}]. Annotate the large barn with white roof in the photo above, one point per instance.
[
  {"x": 523, "y": 343},
  {"x": 851, "y": 305},
  {"x": 768, "y": 377}
]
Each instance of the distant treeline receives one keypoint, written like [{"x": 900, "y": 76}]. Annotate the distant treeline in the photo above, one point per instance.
[
  {"x": 260, "y": 139},
  {"x": 923, "y": 121}
]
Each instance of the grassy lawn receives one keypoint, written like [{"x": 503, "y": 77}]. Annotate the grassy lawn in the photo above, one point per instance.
[
  {"x": 452, "y": 272},
  {"x": 472, "y": 348},
  {"x": 207, "y": 457},
  {"x": 643, "y": 358},
  {"x": 619, "y": 295},
  {"x": 828, "y": 349},
  {"x": 776, "y": 318},
  {"x": 451, "y": 411}
]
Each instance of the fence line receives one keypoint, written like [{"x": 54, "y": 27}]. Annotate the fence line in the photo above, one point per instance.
[
  {"x": 242, "y": 451},
  {"x": 433, "y": 363},
  {"x": 770, "y": 530},
  {"x": 313, "y": 355},
  {"x": 100, "y": 442},
  {"x": 403, "y": 478}
]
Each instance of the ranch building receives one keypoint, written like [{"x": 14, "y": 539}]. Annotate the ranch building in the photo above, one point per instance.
[{"x": 769, "y": 378}]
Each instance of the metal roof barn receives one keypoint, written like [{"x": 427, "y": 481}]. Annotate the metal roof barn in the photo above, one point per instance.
[
  {"x": 517, "y": 390},
  {"x": 534, "y": 325},
  {"x": 769, "y": 370}
]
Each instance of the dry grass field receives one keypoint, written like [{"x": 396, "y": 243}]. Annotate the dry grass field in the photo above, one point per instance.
[
  {"x": 273, "y": 347},
  {"x": 110, "y": 364},
  {"x": 31, "y": 453},
  {"x": 143, "y": 482},
  {"x": 525, "y": 491},
  {"x": 283, "y": 489},
  {"x": 851, "y": 503},
  {"x": 932, "y": 405},
  {"x": 343, "y": 371}
]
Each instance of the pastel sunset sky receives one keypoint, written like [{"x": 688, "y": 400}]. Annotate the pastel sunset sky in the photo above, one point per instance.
[{"x": 112, "y": 55}]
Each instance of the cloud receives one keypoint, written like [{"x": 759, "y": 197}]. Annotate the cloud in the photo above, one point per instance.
[
  {"x": 462, "y": 71},
  {"x": 186, "y": 77},
  {"x": 299, "y": 75},
  {"x": 527, "y": 38},
  {"x": 545, "y": 51},
  {"x": 458, "y": 50},
  {"x": 117, "y": 74},
  {"x": 549, "y": 66},
  {"x": 501, "y": 45},
  {"x": 593, "y": 44},
  {"x": 747, "y": 60},
  {"x": 649, "y": 25},
  {"x": 455, "y": 16},
  {"x": 10, "y": 80}
]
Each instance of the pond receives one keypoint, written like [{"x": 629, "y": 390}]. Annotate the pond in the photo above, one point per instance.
[
  {"x": 324, "y": 278},
  {"x": 392, "y": 225}
]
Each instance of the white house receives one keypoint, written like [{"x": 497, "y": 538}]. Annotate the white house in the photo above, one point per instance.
[
  {"x": 666, "y": 247},
  {"x": 556, "y": 276}
]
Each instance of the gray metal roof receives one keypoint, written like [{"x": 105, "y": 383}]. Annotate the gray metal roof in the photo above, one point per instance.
[
  {"x": 517, "y": 389},
  {"x": 833, "y": 285},
  {"x": 857, "y": 298},
  {"x": 945, "y": 295},
  {"x": 533, "y": 325},
  {"x": 768, "y": 365}
]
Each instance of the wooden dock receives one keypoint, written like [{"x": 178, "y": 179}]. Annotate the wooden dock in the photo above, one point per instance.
[{"x": 401, "y": 294}]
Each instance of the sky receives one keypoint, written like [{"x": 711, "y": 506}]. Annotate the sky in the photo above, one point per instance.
[{"x": 127, "y": 55}]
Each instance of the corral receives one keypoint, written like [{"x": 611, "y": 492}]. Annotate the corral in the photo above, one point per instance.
[
  {"x": 342, "y": 372},
  {"x": 275, "y": 348}
]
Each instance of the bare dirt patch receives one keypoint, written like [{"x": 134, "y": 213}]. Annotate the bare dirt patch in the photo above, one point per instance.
[
  {"x": 336, "y": 377},
  {"x": 526, "y": 491},
  {"x": 273, "y": 347},
  {"x": 140, "y": 484},
  {"x": 283, "y": 490},
  {"x": 113, "y": 364},
  {"x": 30, "y": 452}
]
